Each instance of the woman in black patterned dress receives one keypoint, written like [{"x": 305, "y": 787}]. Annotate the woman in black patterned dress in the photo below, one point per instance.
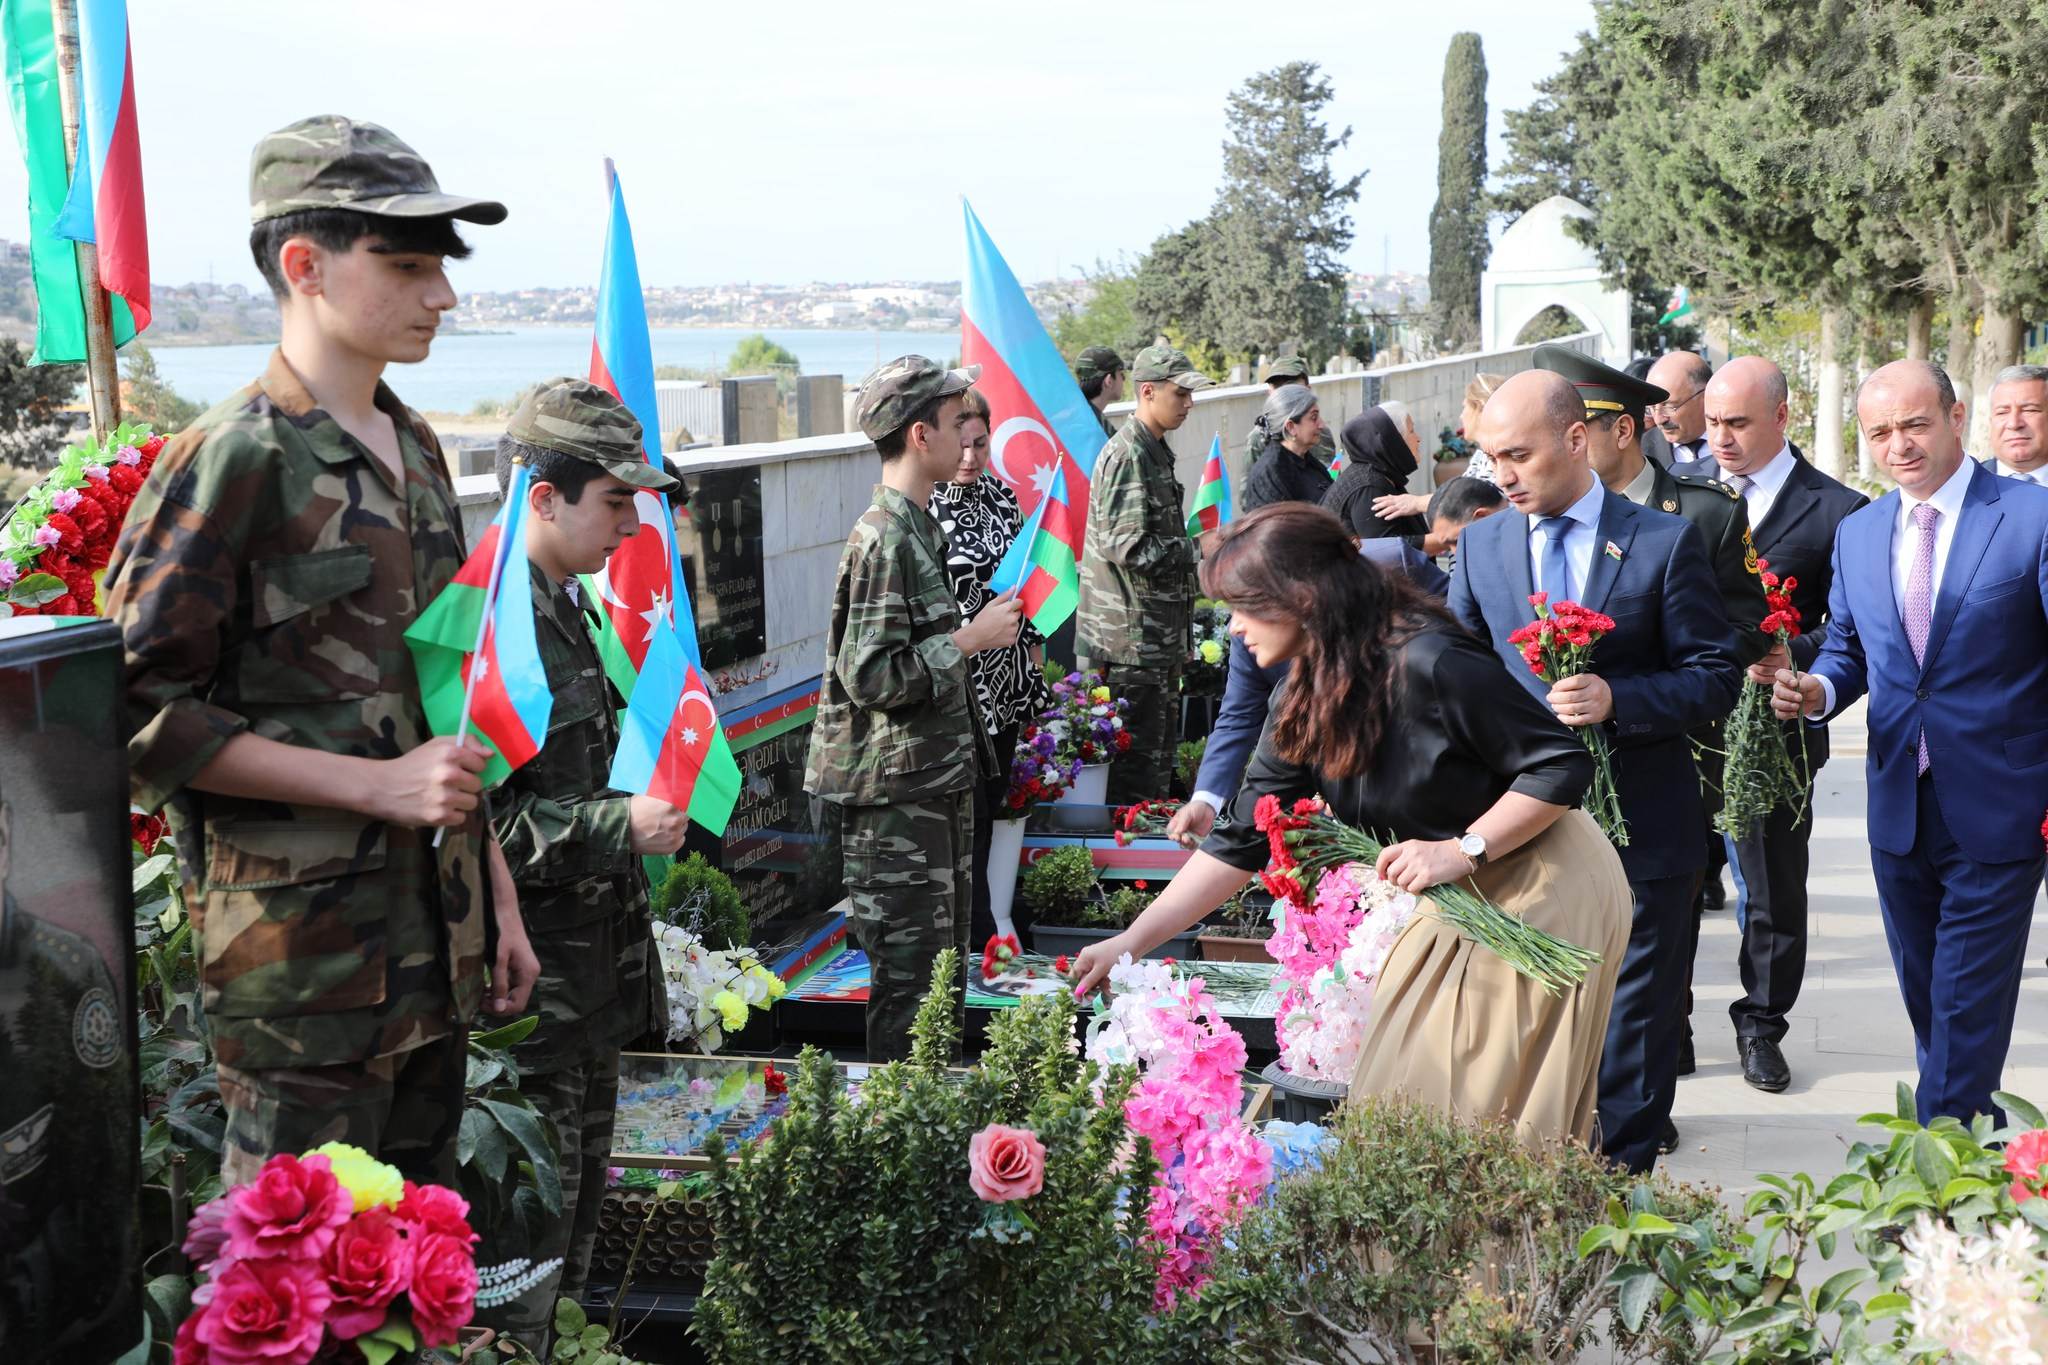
[{"x": 980, "y": 517}]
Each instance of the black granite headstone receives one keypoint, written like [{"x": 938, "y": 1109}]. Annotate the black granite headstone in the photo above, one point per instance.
[{"x": 720, "y": 544}]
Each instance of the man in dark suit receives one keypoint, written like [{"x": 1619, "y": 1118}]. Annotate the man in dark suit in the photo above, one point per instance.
[
  {"x": 1939, "y": 612},
  {"x": 1681, "y": 417},
  {"x": 1795, "y": 509},
  {"x": 1666, "y": 668}
]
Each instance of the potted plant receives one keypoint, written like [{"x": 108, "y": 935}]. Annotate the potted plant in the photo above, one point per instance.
[
  {"x": 1062, "y": 892},
  {"x": 1087, "y": 727},
  {"x": 1453, "y": 455},
  {"x": 1239, "y": 931},
  {"x": 1187, "y": 763}
]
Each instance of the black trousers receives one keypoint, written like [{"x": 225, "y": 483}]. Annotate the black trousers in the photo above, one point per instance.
[
  {"x": 1773, "y": 862},
  {"x": 1639, "y": 1068},
  {"x": 988, "y": 799}
]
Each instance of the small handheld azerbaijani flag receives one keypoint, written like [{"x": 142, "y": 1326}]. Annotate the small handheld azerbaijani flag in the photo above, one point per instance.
[
  {"x": 475, "y": 650},
  {"x": 1212, "y": 495},
  {"x": 1338, "y": 463},
  {"x": 671, "y": 746}
]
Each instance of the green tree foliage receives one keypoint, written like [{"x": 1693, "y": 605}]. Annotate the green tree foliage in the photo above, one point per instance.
[
  {"x": 1107, "y": 317},
  {"x": 31, "y": 394},
  {"x": 1457, "y": 225},
  {"x": 756, "y": 354},
  {"x": 147, "y": 397}
]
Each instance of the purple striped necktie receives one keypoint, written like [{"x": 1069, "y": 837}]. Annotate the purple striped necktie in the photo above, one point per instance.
[{"x": 1920, "y": 596}]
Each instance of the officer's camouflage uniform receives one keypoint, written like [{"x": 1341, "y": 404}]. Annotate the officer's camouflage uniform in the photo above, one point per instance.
[
  {"x": 899, "y": 740},
  {"x": 263, "y": 582},
  {"x": 568, "y": 839},
  {"x": 1138, "y": 593}
]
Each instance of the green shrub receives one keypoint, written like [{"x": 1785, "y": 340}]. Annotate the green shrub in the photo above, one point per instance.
[
  {"x": 850, "y": 1233},
  {"x": 1058, "y": 887},
  {"x": 1187, "y": 762},
  {"x": 700, "y": 898}
]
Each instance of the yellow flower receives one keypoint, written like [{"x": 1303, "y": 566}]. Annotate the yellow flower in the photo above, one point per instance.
[
  {"x": 1099, "y": 694},
  {"x": 1212, "y": 653},
  {"x": 369, "y": 1180},
  {"x": 732, "y": 1011},
  {"x": 770, "y": 982}
]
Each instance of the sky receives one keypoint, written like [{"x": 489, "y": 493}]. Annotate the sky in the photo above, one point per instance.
[{"x": 796, "y": 140}]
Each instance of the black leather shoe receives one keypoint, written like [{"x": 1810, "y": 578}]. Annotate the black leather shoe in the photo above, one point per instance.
[
  {"x": 1763, "y": 1065},
  {"x": 1686, "y": 1064},
  {"x": 1713, "y": 895},
  {"x": 1667, "y": 1141}
]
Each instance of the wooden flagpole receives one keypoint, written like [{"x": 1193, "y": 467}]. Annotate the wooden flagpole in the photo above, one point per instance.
[{"x": 103, "y": 381}]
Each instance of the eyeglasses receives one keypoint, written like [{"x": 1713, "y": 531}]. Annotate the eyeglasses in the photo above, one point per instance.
[{"x": 1673, "y": 407}]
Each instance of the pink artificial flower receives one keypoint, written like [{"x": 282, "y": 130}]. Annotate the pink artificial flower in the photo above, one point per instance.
[
  {"x": 1005, "y": 1163},
  {"x": 185, "y": 1347},
  {"x": 46, "y": 536},
  {"x": 129, "y": 456},
  {"x": 96, "y": 472},
  {"x": 435, "y": 1208},
  {"x": 443, "y": 1294},
  {"x": 292, "y": 1211},
  {"x": 368, "y": 1266},
  {"x": 2023, "y": 1158},
  {"x": 206, "y": 1235},
  {"x": 8, "y": 573},
  {"x": 264, "y": 1312},
  {"x": 64, "y": 499}
]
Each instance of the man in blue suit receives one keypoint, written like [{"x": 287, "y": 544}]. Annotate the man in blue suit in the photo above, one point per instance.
[
  {"x": 1939, "y": 612},
  {"x": 1668, "y": 667}
]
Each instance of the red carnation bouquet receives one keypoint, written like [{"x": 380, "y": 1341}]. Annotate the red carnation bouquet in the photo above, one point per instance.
[
  {"x": 1759, "y": 773},
  {"x": 1557, "y": 645},
  {"x": 1145, "y": 818},
  {"x": 331, "y": 1256},
  {"x": 54, "y": 549},
  {"x": 1308, "y": 843}
]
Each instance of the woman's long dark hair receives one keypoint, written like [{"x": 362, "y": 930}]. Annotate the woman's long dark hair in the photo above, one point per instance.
[{"x": 1294, "y": 561}]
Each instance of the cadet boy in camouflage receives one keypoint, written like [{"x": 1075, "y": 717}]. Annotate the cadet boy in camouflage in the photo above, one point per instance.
[
  {"x": 263, "y": 582},
  {"x": 1138, "y": 573},
  {"x": 1101, "y": 374},
  {"x": 899, "y": 740},
  {"x": 573, "y": 844}
]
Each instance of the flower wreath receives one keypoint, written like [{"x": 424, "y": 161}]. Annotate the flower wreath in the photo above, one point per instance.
[{"x": 54, "y": 549}]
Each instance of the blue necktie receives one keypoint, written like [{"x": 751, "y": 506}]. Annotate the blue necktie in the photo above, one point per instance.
[{"x": 1557, "y": 577}]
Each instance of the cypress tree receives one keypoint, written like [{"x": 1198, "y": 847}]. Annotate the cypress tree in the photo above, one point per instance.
[{"x": 1457, "y": 225}]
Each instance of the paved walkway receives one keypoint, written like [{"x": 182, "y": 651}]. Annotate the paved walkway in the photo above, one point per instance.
[{"x": 1850, "y": 1043}]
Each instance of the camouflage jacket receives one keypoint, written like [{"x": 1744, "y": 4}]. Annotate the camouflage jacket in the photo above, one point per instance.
[
  {"x": 1138, "y": 566},
  {"x": 569, "y": 841},
  {"x": 263, "y": 582},
  {"x": 897, "y": 716}
]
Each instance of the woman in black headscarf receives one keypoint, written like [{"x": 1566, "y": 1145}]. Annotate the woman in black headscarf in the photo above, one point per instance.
[
  {"x": 1380, "y": 455},
  {"x": 1287, "y": 469}
]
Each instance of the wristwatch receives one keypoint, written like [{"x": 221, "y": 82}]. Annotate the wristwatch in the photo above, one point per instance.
[{"x": 1473, "y": 846}]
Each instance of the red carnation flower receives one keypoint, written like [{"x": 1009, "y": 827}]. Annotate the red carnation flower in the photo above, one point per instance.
[
  {"x": 125, "y": 479},
  {"x": 146, "y": 831}
]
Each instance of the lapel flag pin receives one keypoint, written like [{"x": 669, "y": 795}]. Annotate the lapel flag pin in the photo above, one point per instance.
[{"x": 1613, "y": 551}]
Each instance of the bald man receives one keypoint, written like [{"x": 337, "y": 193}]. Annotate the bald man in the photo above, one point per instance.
[
  {"x": 1668, "y": 667},
  {"x": 1793, "y": 512},
  {"x": 1939, "y": 613},
  {"x": 1682, "y": 416}
]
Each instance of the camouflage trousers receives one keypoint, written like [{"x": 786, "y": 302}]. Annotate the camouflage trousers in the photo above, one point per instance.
[
  {"x": 909, "y": 870},
  {"x": 1144, "y": 772},
  {"x": 402, "y": 1109},
  {"x": 583, "y": 1101}
]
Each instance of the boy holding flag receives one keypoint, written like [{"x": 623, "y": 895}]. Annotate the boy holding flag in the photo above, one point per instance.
[
  {"x": 263, "y": 584},
  {"x": 574, "y": 844}
]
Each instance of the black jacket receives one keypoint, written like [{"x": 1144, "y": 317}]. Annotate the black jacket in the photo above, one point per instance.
[
  {"x": 1380, "y": 463},
  {"x": 1283, "y": 476}
]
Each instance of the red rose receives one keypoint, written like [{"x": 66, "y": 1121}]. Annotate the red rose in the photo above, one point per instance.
[
  {"x": 292, "y": 1211},
  {"x": 443, "y": 1294},
  {"x": 368, "y": 1266},
  {"x": 264, "y": 1312},
  {"x": 435, "y": 1208},
  {"x": 2023, "y": 1158},
  {"x": 1005, "y": 1163}
]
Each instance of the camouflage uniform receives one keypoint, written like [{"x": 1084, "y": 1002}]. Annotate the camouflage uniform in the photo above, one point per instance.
[
  {"x": 899, "y": 740},
  {"x": 1325, "y": 449},
  {"x": 263, "y": 582},
  {"x": 1138, "y": 586},
  {"x": 568, "y": 839}
]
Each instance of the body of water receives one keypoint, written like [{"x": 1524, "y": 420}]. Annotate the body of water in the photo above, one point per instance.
[{"x": 464, "y": 370}]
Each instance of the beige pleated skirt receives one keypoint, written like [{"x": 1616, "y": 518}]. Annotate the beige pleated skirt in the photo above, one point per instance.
[{"x": 1456, "y": 1027}]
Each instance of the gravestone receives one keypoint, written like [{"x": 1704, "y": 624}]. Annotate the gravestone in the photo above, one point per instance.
[
  {"x": 750, "y": 409},
  {"x": 720, "y": 545},
  {"x": 70, "y": 1283},
  {"x": 819, "y": 409}
]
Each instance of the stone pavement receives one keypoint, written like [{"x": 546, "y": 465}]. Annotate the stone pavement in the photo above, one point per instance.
[{"x": 1850, "y": 1043}]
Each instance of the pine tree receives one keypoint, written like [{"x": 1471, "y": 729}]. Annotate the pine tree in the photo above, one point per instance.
[{"x": 1457, "y": 225}]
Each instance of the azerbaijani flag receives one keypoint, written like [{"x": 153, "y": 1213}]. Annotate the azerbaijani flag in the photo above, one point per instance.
[
  {"x": 474, "y": 648},
  {"x": 1212, "y": 495},
  {"x": 671, "y": 746},
  {"x": 105, "y": 202},
  {"x": 108, "y": 165},
  {"x": 1043, "y": 436},
  {"x": 641, "y": 587},
  {"x": 1337, "y": 463}
]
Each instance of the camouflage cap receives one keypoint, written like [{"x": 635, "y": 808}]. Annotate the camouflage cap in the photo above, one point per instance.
[
  {"x": 332, "y": 162},
  {"x": 900, "y": 387},
  {"x": 1097, "y": 360},
  {"x": 1286, "y": 367},
  {"x": 574, "y": 417},
  {"x": 1155, "y": 363}
]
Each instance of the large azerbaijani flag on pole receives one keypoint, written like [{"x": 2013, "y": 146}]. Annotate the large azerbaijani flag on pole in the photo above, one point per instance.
[
  {"x": 475, "y": 650},
  {"x": 103, "y": 203},
  {"x": 1043, "y": 435}
]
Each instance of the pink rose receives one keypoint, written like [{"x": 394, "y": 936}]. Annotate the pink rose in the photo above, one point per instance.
[
  {"x": 129, "y": 456},
  {"x": 436, "y": 1208},
  {"x": 185, "y": 1347},
  {"x": 2023, "y": 1158},
  {"x": 293, "y": 1210},
  {"x": 368, "y": 1266},
  {"x": 1005, "y": 1163},
  {"x": 443, "y": 1287},
  {"x": 64, "y": 499},
  {"x": 266, "y": 1312},
  {"x": 206, "y": 1236}
]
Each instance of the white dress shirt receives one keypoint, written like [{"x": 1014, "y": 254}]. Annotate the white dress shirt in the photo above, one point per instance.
[
  {"x": 1578, "y": 546},
  {"x": 1765, "y": 485},
  {"x": 1948, "y": 500},
  {"x": 2039, "y": 476}
]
